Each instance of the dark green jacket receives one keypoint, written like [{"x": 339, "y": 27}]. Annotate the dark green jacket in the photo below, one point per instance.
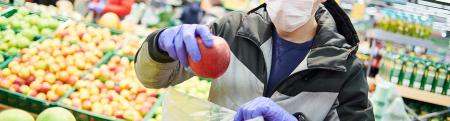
[{"x": 330, "y": 84}]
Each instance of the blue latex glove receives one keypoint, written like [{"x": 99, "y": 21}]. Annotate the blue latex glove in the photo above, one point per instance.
[
  {"x": 264, "y": 107},
  {"x": 96, "y": 7},
  {"x": 181, "y": 40}
]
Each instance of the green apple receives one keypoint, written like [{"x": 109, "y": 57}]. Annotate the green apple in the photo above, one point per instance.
[
  {"x": 3, "y": 46},
  {"x": 3, "y": 21},
  {"x": 2, "y": 59},
  {"x": 29, "y": 33},
  {"x": 46, "y": 31},
  {"x": 23, "y": 42},
  {"x": 22, "y": 12},
  {"x": 13, "y": 51}
]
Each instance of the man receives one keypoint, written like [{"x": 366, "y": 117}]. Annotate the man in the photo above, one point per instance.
[{"x": 290, "y": 60}]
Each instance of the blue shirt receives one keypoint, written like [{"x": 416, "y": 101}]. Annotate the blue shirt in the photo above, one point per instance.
[{"x": 286, "y": 56}]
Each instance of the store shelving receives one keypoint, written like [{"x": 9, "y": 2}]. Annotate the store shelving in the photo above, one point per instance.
[
  {"x": 382, "y": 35},
  {"x": 419, "y": 95},
  {"x": 424, "y": 96}
]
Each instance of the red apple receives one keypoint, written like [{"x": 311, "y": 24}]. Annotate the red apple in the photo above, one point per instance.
[
  {"x": 214, "y": 61},
  {"x": 44, "y": 87},
  {"x": 29, "y": 80},
  {"x": 19, "y": 81},
  {"x": 32, "y": 93},
  {"x": 24, "y": 89},
  {"x": 60, "y": 90},
  {"x": 41, "y": 96}
]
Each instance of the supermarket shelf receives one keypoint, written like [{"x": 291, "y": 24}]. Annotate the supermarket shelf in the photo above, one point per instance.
[
  {"x": 402, "y": 39},
  {"x": 424, "y": 96},
  {"x": 416, "y": 94}
]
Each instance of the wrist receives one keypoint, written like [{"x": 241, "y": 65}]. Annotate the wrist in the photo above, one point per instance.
[{"x": 157, "y": 53}]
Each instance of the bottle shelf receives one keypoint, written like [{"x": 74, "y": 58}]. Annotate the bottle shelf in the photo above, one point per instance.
[{"x": 383, "y": 35}]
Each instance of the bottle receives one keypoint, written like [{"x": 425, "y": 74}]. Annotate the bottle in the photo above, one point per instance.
[
  {"x": 420, "y": 70},
  {"x": 429, "y": 75},
  {"x": 398, "y": 63},
  {"x": 401, "y": 75},
  {"x": 439, "y": 81},
  {"x": 409, "y": 68},
  {"x": 445, "y": 87}
]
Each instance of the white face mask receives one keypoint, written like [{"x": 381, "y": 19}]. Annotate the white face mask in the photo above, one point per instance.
[{"x": 288, "y": 15}]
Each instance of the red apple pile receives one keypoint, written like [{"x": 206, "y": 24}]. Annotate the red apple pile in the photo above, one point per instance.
[
  {"x": 49, "y": 69},
  {"x": 113, "y": 90}
]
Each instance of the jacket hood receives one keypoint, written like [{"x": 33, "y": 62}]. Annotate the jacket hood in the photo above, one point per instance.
[{"x": 330, "y": 49}]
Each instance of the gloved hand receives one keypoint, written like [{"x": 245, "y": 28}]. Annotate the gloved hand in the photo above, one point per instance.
[
  {"x": 181, "y": 40},
  {"x": 96, "y": 7},
  {"x": 264, "y": 107}
]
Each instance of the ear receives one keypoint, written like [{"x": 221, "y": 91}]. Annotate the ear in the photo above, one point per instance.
[{"x": 322, "y": 1}]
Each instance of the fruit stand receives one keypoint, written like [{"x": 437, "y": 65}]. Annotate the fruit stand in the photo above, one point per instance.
[{"x": 55, "y": 63}]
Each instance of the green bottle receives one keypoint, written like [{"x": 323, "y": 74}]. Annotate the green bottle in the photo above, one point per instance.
[
  {"x": 398, "y": 63},
  {"x": 439, "y": 81},
  {"x": 409, "y": 69},
  {"x": 420, "y": 71},
  {"x": 428, "y": 76},
  {"x": 401, "y": 75},
  {"x": 412, "y": 77},
  {"x": 445, "y": 87}
]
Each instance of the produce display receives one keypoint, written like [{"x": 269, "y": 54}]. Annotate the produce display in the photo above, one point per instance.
[
  {"x": 21, "y": 29},
  {"x": 113, "y": 90},
  {"x": 30, "y": 24},
  {"x": 11, "y": 43},
  {"x": 52, "y": 67}
]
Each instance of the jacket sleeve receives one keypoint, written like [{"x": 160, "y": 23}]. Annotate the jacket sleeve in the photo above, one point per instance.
[
  {"x": 353, "y": 102},
  {"x": 121, "y": 9},
  {"x": 154, "y": 68}
]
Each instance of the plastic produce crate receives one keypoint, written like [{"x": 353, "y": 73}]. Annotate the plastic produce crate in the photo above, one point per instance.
[
  {"x": 8, "y": 59},
  {"x": 21, "y": 101},
  {"x": 84, "y": 115}
]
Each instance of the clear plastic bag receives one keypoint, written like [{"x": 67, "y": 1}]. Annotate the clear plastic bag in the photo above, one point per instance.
[{"x": 178, "y": 106}]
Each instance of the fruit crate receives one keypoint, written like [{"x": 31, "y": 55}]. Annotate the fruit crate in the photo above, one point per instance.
[
  {"x": 85, "y": 115},
  {"x": 21, "y": 101},
  {"x": 8, "y": 59},
  {"x": 152, "y": 113}
]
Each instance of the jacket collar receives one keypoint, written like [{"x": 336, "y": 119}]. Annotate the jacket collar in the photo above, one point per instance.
[{"x": 330, "y": 49}]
